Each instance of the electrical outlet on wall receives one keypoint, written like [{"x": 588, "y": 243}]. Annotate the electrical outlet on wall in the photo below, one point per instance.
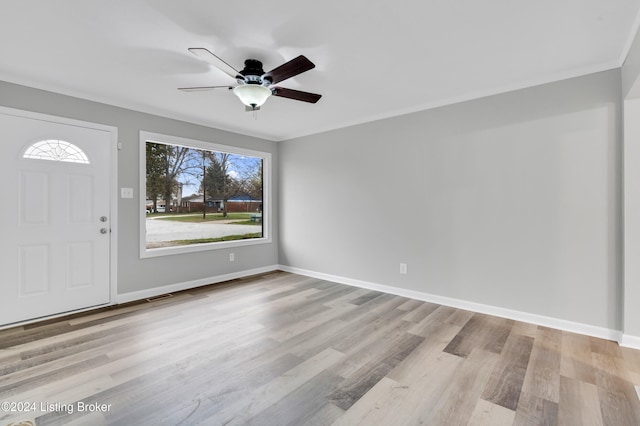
[
  {"x": 232, "y": 257},
  {"x": 403, "y": 268}
]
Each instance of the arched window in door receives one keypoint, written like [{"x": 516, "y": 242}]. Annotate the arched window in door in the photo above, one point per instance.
[{"x": 56, "y": 150}]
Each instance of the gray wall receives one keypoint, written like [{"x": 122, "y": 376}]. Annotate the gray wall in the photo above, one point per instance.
[
  {"x": 135, "y": 274},
  {"x": 631, "y": 70},
  {"x": 631, "y": 93},
  {"x": 632, "y": 217},
  {"x": 512, "y": 201}
]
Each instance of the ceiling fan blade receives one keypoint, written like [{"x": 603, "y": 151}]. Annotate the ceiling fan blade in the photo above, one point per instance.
[
  {"x": 203, "y": 88},
  {"x": 289, "y": 69},
  {"x": 295, "y": 94},
  {"x": 206, "y": 55}
]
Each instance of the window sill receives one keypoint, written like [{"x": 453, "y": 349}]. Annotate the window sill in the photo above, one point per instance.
[{"x": 195, "y": 248}]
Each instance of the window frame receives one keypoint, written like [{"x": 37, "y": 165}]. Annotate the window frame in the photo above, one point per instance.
[{"x": 266, "y": 238}]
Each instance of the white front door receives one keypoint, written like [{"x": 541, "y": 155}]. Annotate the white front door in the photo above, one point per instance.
[{"x": 55, "y": 239}]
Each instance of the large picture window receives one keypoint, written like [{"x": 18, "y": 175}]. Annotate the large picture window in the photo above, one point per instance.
[{"x": 201, "y": 196}]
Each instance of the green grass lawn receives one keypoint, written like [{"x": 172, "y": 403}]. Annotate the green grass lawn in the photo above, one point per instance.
[
  {"x": 211, "y": 217},
  {"x": 215, "y": 240}
]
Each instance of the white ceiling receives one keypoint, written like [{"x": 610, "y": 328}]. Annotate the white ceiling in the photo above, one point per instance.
[{"x": 374, "y": 58}]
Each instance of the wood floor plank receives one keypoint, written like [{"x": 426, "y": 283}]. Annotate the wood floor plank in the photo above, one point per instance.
[
  {"x": 306, "y": 405},
  {"x": 380, "y": 361},
  {"x": 292, "y": 329},
  {"x": 326, "y": 415},
  {"x": 380, "y": 303},
  {"x": 241, "y": 411},
  {"x": 460, "y": 317},
  {"x": 284, "y": 349},
  {"x": 617, "y": 408},
  {"x": 213, "y": 388},
  {"x": 440, "y": 334},
  {"x": 618, "y": 398},
  {"x": 133, "y": 390},
  {"x": 632, "y": 365},
  {"x": 525, "y": 329},
  {"x": 543, "y": 372},
  {"x": 410, "y": 305},
  {"x": 505, "y": 383},
  {"x": 350, "y": 391},
  {"x": 347, "y": 298},
  {"x": 486, "y": 413},
  {"x": 419, "y": 312},
  {"x": 15, "y": 373},
  {"x": 367, "y": 297},
  {"x": 36, "y": 381},
  {"x": 605, "y": 347},
  {"x": 398, "y": 344},
  {"x": 381, "y": 400},
  {"x": 576, "y": 361},
  {"x": 383, "y": 327},
  {"x": 331, "y": 294},
  {"x": 459, "y": 399},
  {"x": 391, "y": 402},
  {"x": 360, "y": 325},
  {"x": 535, "y": 411},
  {"x": 483, "y": 331},
  {"x": 579, "y": 403},
  {"x": 427, "y": 388},
  {"x": 434, "y": 320}
]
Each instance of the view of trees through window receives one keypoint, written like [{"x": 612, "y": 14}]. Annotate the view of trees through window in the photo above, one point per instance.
[{"x": 197, "y": 196}]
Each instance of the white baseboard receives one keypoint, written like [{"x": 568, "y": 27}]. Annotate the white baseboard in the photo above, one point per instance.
[
  {"x": 629, "y": 341},
  {"x": 172, "y": 288},
  {"x": 574, "y": 327},
  {"x": 560, "y": 324}
]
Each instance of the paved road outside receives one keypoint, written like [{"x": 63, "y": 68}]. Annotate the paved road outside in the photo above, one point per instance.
[{"x": 168, "y": 230}]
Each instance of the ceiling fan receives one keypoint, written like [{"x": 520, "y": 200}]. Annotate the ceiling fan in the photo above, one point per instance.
[{"x": 254, "y": 85}]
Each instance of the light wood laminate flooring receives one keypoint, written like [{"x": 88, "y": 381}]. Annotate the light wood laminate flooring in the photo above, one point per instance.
[{"x": 282, "y": 349}]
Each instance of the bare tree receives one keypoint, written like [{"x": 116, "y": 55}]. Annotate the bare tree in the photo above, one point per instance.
[
  {"x": 165, "y": 163},
  {"x": 253, "y": 182},
  {"x": 219, "y": 183},
  {"x": 174, "y": 165}
]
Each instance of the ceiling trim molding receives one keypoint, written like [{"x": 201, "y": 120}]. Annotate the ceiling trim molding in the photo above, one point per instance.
[
  {"x": 322, "y": 129},
  {"x": 131, "y": 106},
  {"x": 465, "y": 98}
]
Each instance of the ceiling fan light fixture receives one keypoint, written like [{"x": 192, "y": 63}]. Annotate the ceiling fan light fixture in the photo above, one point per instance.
[{"x": 252, "y": 95}]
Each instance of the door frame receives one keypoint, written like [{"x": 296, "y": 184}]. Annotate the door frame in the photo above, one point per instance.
[{"x": 113, "y": 199}]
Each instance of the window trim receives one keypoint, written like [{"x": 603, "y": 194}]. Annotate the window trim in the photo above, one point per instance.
[{"x": 145, "y": 137}]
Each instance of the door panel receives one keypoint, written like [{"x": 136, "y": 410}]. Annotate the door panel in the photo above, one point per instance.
[
  {"x": 54, "y": 257},
  {"x": 33, "y": 271},
  {"x": 79, "y": 264},
  {"x": 80, "y": 189},
  {"x": 34, "y": 196}
]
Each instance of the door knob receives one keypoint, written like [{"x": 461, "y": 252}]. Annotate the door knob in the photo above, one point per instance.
[{"x": 103, "y": 230}]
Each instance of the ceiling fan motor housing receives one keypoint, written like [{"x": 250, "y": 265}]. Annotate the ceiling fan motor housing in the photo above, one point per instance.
[{"x": 253, "y": 72}]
